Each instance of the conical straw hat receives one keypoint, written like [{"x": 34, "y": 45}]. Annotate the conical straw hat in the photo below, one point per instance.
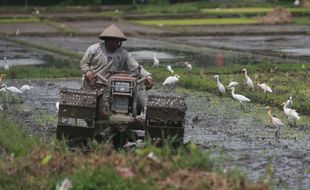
[{"x": 112, "y": 32}]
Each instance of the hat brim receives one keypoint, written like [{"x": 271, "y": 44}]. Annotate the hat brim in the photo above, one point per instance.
[{"x": 109, "y": 37}]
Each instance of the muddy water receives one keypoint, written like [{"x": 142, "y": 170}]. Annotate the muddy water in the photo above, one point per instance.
[
  {"x": 198, "y": 50},
  {"x": 249, "y": 140},
  {"x": 245, "y": 139}
]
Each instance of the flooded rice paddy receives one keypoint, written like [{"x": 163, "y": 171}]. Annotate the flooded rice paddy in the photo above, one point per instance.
[{"x": 245, "y": 139}]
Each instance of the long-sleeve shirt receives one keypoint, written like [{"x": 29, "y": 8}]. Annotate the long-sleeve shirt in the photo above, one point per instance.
[{"x": 96, "y": 58}]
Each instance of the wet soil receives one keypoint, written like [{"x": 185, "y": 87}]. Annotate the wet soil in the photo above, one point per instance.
[
  {"x": 292, "y": 45},
  {"x": 245, "y": 139}
]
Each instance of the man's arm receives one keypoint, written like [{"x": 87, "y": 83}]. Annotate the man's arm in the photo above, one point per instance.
[{"x": 133, "y": 64}]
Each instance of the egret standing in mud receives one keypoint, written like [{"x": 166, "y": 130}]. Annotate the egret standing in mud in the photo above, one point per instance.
[
  {"x": 275, "y": 122},
  {"x": 57, "y": 106},
  {"x": 171, "y": 81},
  {"x": 248, "y": 80},
  {"x": 169, "y": 68},
  {"x": 25, "y": 88},
  {"x": 188, "y": 67},
  {"x": 220, "y": 86},
  {"x": 240, "y": 98},
  {"x": 291, "y": 114},
  {"x": 12, "y": 89},
  {"x": 289, "y": 102},
  {"x": 6, "y": 65},
  {"x": 265, "y": 87},
  {"x": 156, "y": 61}
]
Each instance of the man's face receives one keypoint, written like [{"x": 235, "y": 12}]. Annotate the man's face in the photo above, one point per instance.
[{"x": 112, "y": 44}]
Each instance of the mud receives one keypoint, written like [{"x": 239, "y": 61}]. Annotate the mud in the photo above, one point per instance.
[{"x": 246, "y": 140}]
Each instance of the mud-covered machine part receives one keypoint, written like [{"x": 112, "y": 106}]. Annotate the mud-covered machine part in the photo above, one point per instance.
[
  {"x": 163, "y": 117},
  {"x": 75, "y": 108}
]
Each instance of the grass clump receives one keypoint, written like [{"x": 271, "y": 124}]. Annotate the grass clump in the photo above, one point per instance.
[
  {"x": 18, "y": 20},
  {"x": 13, "y": 139},
  {"x": 208, "y": 21}
]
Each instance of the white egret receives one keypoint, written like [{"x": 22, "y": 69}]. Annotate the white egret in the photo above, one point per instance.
[
  {"x": 6, "y": 65},
  {"x": 265, "y": 87},
  {"x": 240, "y": 98},
  {"x": 17, "y": 32},
  {"x": 291, "y": 114},
  {"x": 188, "y": 67},
  {"x": 248, "y": 80},
  {"x": 296, "y": 2},
  {"x": 169, "y": 68},
  {"x": 220, "y": 86},
  {"x": 25, "y": 87},
  {"x": 57, "y": 106},
  {"x": 12, "y": 89},
  {"x": 1, "y": 107},
  {"x": 2, "y": 90},
  {"x": 156, "y": 61},
  {"x": 275, "y": 122},
  {"x": 233, "y": 84},
  {"x": 289, "y": 102},
  {"x": 171, "y": 81}
]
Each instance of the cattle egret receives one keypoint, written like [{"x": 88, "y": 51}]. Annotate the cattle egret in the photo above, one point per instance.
[
  {"x": 240, "y": 98},
  {"x": 265, "y": 87},
  {"x": 248, "y": 80},
  {"x": 291, "y": 114},
  {"x": 6, "y": 65},
  {"x": 156, "y": 61},
  {"x": 57, "y": 106},
  {"x": 25, "y": 87},
  {"x": 12, "y": 89},
  {"x": 188, "y": 67},
  {"x": 171, "y": 81},
  {"x": 169, "y": 68},
  {"x": 289, "y": 102},
  {"x": 220, "y": 86},
  {"x": 233, "y": 84},
  {"x": 2, "y": 77},
  {"x": 275, "y": 122},
  {"x": 17, "y": 32},
  {"x": 296, "y": 2}
]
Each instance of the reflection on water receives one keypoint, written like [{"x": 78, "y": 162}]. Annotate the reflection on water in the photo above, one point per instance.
[
  {"x": 148, "y": 54},
  {"x": 297, "y": 51},
  {"x": 19, "y": 62}
]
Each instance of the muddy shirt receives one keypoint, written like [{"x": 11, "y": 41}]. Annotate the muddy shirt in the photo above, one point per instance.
[{"x": 96, "y": 59}]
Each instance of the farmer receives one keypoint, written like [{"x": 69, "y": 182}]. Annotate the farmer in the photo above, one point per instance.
[
  {"x": 103, "y": 59},
  {"x": 107, "y": 56}
]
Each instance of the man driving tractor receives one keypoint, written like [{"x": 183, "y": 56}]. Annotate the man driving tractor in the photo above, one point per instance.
[
  {"x": 108, "y": 56},
  {"x": 101, "y": 61}
]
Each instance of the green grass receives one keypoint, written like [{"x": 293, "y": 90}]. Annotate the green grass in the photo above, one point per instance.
[
  {"x": 250, "y": 10},
  {"x": 19, "y": 20},
  {"x": 14, "y": 140},
  {"x": 247, "y": 10},
  {"x": 189, "y": 22},
  {"x": 285, "y": 82},
  {"x": 302, "y": 20}
]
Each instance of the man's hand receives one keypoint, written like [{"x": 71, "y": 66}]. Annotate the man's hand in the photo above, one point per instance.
[
  {"x": 148, "y": 83},
  {"x": 90, "y": 76}
]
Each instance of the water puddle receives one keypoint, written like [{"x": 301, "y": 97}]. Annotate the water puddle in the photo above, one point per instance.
[
  {"x": 297, "y": 51},
  {"x": 148, "y": 54},
  {"x": 20, "y": 62}
]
